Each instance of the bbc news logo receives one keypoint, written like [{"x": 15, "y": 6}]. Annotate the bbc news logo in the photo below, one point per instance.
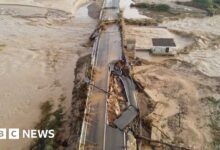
[{"x": 15, "y": 133}]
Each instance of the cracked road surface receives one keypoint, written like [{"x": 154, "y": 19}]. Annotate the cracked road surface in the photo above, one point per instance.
[{"x": 109, "y": 49}]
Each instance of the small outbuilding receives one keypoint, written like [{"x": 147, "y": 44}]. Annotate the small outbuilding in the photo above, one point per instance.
[
  {"x": 163, "y": 46},
  {"x": 130, "y": 46}
]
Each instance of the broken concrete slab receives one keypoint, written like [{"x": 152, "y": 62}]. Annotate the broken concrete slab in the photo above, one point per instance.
[
  {"x": 130, "y": 91},
  {"x": 126, "y": 118}
]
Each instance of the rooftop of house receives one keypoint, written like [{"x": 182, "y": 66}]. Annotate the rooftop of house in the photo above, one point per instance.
[{"x": 167, "y": 42}]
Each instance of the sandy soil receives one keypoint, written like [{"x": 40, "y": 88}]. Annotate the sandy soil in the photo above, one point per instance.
[
  {"x": 39, "y": 49},
  {"x": 188, "y": 87}
]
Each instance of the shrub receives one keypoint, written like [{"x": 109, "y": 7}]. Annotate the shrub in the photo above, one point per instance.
[
  {"x": 50, "y": 120},
  {"x": 217, "y": 1},
  {"x": 162, "y": 7},
  {"x": 153, "y": 7}
]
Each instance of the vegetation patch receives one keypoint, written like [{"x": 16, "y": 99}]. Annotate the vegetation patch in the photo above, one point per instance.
[
  {"x": 211, "y": 6},
  {"x": 158, "y": 13},
  {"x": 214, "y": 120},
  {"x": 215, "y": 124},
  {"x": 2, "y": 46},
  {"x": 50, "y": 120},
  {"x": 153, "y": 7},
  {"x": 142, "y": 22},
  {"x": 79, "y": 97}
]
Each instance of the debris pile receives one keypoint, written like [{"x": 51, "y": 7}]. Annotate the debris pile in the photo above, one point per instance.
[{"x": 116, "y": 100}]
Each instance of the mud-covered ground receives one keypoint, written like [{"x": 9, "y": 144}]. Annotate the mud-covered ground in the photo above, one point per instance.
[
  {"x": 39, "y": 47},
  {"x": 182, "y": 91},
  {"x": 186, "y": 86}
]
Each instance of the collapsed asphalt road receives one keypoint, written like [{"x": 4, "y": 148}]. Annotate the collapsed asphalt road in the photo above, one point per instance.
[{"x": 97, "y": 134}]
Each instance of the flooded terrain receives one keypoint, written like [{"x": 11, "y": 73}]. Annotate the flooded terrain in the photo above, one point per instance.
[
  {"x": 39, "y": 47},
  {"x": 41, "y": 42},
  {"x": 206, "y": 55},
  {"x": 64, "y": 5},
  {"x": 130, "y": 13},
  {"x": 182, "y": 86}
]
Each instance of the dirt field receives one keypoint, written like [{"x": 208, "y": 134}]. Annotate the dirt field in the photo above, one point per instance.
[{"x": 38, "y": 51}]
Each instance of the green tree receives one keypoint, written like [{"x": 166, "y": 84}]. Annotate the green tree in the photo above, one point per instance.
[
  {"x": 217, "y": 1},
  {"x": 205, "y": 3}
]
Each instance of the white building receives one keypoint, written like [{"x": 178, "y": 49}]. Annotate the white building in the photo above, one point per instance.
[{"x": 163, "y": 46}]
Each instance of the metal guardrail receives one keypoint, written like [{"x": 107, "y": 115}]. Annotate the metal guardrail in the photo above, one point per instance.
[
  {"x": 82, "y": 141},
  {"x": 87, "y": 109},
  {"x": 101, "y": 12}
]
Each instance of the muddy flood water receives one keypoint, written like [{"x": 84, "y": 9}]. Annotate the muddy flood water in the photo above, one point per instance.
[
  {"x": 207, "y": 55},
  {"x": 40, "y": 42}
]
